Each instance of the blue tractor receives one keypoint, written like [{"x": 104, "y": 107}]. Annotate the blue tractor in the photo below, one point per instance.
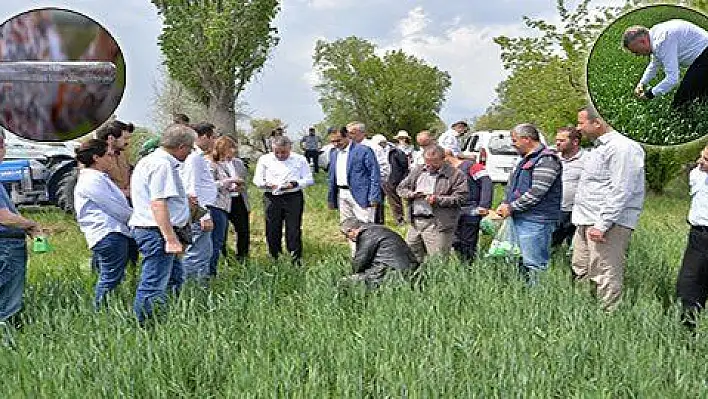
[{"x": 37, "y": 173}]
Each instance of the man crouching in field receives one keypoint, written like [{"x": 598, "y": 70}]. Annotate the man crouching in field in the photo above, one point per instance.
[
  {"x": 13, "y": 251},
  {"x": 378, "y": 251}
]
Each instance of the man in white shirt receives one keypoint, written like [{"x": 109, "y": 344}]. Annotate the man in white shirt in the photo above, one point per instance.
[
  {"x": 692, "y": 282},
  {"x": 572, "y": 158},
  {"x": 671, "y": 44},
  {"x": 450, "y": 139},
  {"x": 201, "y": 190},
  {"x": 607, "y": 206},
  {"x": 283, "y": 175},
  {"x": 160, "y": 211}
]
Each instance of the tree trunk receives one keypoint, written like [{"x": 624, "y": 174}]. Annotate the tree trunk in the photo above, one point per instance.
[{"x": 223, "y": 115}]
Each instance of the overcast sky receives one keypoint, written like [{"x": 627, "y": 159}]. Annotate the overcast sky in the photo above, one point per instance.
[{"x": 455, "y": 35}]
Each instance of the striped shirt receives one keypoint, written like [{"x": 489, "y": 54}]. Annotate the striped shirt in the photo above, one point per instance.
[{"x": 546, "y": 171}]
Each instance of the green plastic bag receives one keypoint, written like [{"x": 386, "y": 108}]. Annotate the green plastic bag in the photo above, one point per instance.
[
  {"x": 41, "y": 245},
  {"x": 487, "y": 226},
  {"x": 506, "y": 242}
]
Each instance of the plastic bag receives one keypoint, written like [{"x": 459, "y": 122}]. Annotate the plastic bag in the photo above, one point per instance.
[{"x": 506, "y": 243}]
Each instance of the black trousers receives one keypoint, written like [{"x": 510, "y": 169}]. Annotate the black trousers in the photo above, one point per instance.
[
  {"x": 694, "y": 85},
  {"x": 380, "y": 209},
  {"x": 287, "y": 209},
  {"x": 238, "y": 216},
  {"x": 564, "y": 230},
  {"x": 466, "y": 237},
  {"x": 313, "y": 155},
  {"x": 692, "y": 282}
]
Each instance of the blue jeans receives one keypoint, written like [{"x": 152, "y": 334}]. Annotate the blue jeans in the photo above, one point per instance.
[
  {"x": 13, "y": 267},
  {"x": 111, "y": 255},
  {"x": 534, "y": 243},
  {"x": 198, "y": 254},
  {"x": 218, "y": 236},
  {"x": 160, "y": 271}
]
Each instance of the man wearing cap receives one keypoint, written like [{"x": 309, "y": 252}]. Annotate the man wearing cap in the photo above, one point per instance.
[
  {"x": 354, "y": 185},
  {"x": 450, "y": 139},
  {"x": 400, "y": 166},
  {"x": 435, "y": 192},
  {"x": 379, "y": 251},
  {"x": 381, "y": 148},
  {"x": 404, "y": 144},
  {"x": 671, "y": 45},
  {"x": 311, "y": 144},
  {"x": 692, "y": 282}
]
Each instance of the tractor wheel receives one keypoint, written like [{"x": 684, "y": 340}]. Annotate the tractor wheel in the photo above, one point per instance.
[{"x": 65, "y": 190}]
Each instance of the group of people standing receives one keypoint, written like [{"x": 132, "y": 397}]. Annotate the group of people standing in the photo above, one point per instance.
[
  {"x": 590, "y": 199},
  {"x": 174, "y": 208},
  {"x": 175, "y": 205}
]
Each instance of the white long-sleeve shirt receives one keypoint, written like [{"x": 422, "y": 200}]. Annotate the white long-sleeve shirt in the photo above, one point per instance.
[
  {"x": 698, "y": 214},
  {"x": 611, "y": 187},
  {"x": 197, "y": 178},
  {"x": 101, "y": 208},
  {"x": 674, "y": 43},
  {"x": 272, "y": 171}
]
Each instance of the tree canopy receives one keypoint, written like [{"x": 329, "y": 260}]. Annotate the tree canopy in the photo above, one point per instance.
[
  {"x": 214, "y": 48},
  {"x": 389, "y": 92}
]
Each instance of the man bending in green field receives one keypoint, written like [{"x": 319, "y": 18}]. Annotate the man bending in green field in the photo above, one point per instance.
[
  {"x": 379, "y": 251},
  {"x": 671, "y": 44}
]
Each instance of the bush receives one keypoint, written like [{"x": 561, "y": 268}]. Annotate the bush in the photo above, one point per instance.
[{"x": 664, "y": 164}]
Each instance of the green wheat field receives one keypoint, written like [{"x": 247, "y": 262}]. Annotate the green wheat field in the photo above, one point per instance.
[{"x": 273, "y": 330}]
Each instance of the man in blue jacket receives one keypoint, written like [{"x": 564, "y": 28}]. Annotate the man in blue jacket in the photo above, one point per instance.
[
  {"x": 533, "y": 199},
  {"x": 354, "y": 179}
]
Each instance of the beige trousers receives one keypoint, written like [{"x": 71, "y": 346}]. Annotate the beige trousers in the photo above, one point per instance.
[
  {"x": 425, "y": 238},
  {"x": 602, "y": 263}
]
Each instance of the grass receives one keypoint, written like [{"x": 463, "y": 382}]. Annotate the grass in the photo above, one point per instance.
[
  {"x": 269, "y": 329},
  {"x": 612, "y": 74}
]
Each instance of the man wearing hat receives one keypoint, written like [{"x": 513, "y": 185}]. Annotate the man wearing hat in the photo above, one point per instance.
[
  {"x": 379, "y": 250},
  {"x": 381, "y": 148},
  {"x": 449, "y": 139},
  {"x": 404, "y": 144}
]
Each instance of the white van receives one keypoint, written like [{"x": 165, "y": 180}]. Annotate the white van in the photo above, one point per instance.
[{"x": 493, "y": 149}]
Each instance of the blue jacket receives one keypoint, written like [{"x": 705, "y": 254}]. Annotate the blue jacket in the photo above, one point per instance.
[
  {"x": 548, "y": 209},
  {"x": 363, "y": 176}
]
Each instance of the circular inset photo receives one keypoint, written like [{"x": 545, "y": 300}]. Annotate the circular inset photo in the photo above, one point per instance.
[
  {"x": 647, "y": 75},
  {"x": 61, "y": 75}
]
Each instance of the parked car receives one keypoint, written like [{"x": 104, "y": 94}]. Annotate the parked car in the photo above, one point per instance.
[{"x": 493, "y": 148}]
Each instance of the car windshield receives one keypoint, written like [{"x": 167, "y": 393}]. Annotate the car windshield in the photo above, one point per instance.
[{"x": 501, "y": 145}]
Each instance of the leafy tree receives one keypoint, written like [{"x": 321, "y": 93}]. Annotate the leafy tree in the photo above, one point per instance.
[
  {"x": 547, "y": 81},
  {"x": 260, "y": 129},
  {"x": 214, "y": 48},
  {"x": 390, "y": 92}
]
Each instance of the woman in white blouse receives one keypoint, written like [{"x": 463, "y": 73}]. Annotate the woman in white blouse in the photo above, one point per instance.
[{"x": 102, "y": 212}]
